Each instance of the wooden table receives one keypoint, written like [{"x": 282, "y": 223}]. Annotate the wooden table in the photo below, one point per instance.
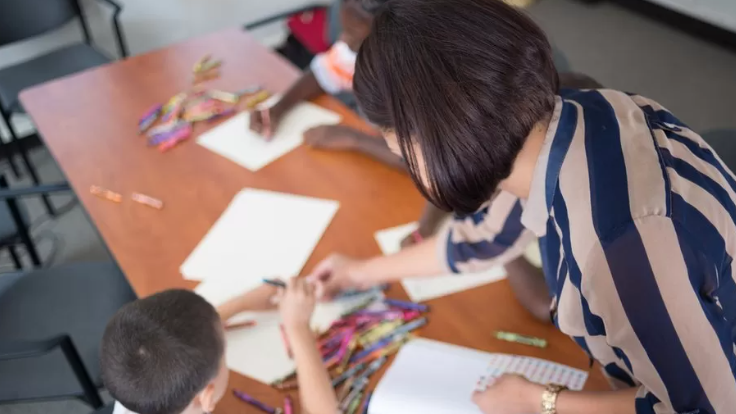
[{"x": 88, "y": 122}]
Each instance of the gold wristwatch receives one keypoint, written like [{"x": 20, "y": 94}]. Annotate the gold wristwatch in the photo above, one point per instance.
[{"x": 549, "y": 398}]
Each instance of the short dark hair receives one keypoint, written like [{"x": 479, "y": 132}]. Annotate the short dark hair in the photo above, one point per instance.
[
  {"x": 465, "y": 81},
  {"x": 159, "y": 352}
]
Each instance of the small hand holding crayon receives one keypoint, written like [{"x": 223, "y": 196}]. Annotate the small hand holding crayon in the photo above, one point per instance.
[{"x": 297, "y": 302}]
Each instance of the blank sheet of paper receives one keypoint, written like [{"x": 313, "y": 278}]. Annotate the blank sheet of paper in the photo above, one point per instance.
[
  {"x": 445, "y": 385},
  {"x": 420, "y": 289},
  {"x": 234, "y": 140},
  {"x": 259, "y": 352},
  {"x": 260, "y": 234}
]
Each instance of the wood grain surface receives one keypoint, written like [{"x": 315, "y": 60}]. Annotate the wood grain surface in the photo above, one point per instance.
[{"x": 89, "y": 123}]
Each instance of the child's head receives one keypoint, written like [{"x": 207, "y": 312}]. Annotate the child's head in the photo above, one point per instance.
[
  {"x": 164, "y": 354},
  {"x": 356, "y": 17},
  {"x": 457, "y": 86}
]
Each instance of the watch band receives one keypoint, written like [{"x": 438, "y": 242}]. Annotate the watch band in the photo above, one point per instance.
[{"x": 549, "y": 398}]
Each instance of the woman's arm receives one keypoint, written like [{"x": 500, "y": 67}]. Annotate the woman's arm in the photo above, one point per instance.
[{"x": 514, "y": 394}]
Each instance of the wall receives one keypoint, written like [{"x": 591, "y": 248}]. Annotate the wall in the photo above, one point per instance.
[{"x": 152, "y": 24}]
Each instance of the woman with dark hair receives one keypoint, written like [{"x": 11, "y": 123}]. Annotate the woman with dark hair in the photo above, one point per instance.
[{"x": 636, "y": 214}]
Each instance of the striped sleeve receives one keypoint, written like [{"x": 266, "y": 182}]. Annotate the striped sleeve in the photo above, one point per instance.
[
  {"x": 667, "y": 290},
  {"x": 490, "y": 237}
]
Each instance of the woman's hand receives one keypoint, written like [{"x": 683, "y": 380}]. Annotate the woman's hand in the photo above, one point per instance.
[
  {"x": 510, "y": 394},
  {"x": 296, "y": 303},
  {"x": 338, "y": 273}
]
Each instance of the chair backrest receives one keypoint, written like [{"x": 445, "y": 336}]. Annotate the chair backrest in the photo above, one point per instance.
[{"x": 21, "y": 19}]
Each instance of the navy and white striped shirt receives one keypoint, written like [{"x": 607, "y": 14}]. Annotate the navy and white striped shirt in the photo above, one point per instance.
[{"x": 635, "y": 215}]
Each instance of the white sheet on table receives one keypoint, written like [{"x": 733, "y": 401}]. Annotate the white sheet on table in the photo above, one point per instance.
[{"x": 426, "y": 288}]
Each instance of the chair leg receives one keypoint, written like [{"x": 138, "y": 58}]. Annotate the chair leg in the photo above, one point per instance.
[
  {"x": 7, "y": 151},
  {"x": 26, "y": 162},
  {"x": 23, "y": 234},
  {"x": 14, "y": 256},
  {"x": 91, "y": 395}
]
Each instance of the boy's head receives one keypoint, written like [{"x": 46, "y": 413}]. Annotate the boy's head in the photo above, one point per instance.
[
  {"x": 164, "y": 354},
  {"x": 457, "y": 86},
  {"x": 356, "y": 17}
]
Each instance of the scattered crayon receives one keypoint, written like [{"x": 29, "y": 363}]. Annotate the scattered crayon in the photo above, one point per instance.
[
  {"x": 354, "y": 404},
  {"x": 106, "y": 194},
  {"x": 406, "y": 305},
  {"x": 521, "y": 339},
  {"x": 288, "y": 406},
  {"x": 252, "y": 401},
  {"x": 366, "y": 402},
  {"x": 147, "y": 200}
]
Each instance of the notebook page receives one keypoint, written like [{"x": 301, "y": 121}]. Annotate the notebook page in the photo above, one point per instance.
[
  {"x": 234, "y": 140},
  {"x": 432, "y": 377},
  {"x": 426, "y": 288},
  {"x": 261, "y": 234}
]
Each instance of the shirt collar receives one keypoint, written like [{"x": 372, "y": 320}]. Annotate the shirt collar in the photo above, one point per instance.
[{"x": 536, "y": 210}]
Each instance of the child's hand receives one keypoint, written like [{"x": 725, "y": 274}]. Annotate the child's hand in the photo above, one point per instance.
[
  {"x": 264, "y": 121},
  {"x": 336, "y": 137},
  {"x": 258, "y": 299},
  {"x": 297, "y": 302}
]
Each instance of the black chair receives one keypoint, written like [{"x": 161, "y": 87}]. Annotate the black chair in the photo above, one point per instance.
[
  {"x": 51, "y": 325},
  {"x": 14, "y": 221},
  {"x": 24, "y": 19},
  {"x": 723, "y": 142}
]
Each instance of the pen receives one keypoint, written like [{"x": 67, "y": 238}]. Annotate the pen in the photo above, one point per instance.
[
  {"x": 275, "y": 282},
  {"x": 252, "y": 401}
]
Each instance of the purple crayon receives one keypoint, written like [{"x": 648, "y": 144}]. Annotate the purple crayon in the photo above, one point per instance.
[{"x": 252, "y": 401}]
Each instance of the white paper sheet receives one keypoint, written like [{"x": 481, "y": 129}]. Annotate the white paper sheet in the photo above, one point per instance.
[
  {"x": 234, "y": 140},
  {"x": 259, "y": 352},
  {"x": 260, "y": 234},
  {"x": 421, "y": 289},
  {"x": 413, "y": 384}
]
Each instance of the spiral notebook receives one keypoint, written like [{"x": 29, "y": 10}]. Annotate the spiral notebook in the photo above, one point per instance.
[{"x": 432, "y": 377}]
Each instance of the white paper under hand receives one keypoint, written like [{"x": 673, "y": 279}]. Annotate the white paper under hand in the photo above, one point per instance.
[
  {"x": 426, "y": 288},
  {"x": 261, "y": 234},
  {"x": 234, "y": 140},
  {"x": 259, "y": 352}
]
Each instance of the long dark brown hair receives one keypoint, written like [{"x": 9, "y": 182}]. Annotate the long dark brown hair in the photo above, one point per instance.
[{"x": 464, "y": 81}]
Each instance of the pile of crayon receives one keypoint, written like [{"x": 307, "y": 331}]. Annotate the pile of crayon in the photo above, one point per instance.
[
  {"x": 358, "y": 344},
  {"x": 176, "y": 117}
]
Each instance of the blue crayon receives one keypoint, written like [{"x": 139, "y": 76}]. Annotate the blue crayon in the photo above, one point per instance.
[
  {"x": 347, "y": 374},
  {"x": 364, "y": 408},
  {"x": 406, "y": 305}
]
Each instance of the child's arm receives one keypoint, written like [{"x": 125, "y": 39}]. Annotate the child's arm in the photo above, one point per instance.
[
  {"x": 260, "y": 298},
  {"x": 428, "y": 224},
  {"x": 315, "y": 388},
  {"x": 342, "y": 137},
  {"x": 266, "y": 120}
]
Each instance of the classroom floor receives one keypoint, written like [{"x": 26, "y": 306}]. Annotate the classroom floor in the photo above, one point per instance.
[{"x": 619, "y": 48}]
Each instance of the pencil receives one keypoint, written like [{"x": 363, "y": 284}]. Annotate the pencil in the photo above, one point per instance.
[{"x": 246, "y": 324}]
